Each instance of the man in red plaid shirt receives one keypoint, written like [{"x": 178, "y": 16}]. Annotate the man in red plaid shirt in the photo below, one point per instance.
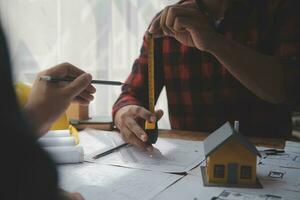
[{"x": 220, "y": 60}]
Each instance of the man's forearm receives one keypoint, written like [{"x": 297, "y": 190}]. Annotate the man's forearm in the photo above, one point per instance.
[
  {"x": 37, "y": 121},
  {"x": 263, "y": 75}
]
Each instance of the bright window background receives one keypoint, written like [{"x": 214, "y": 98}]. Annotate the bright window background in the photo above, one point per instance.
[{"x": 102, "y": 37}]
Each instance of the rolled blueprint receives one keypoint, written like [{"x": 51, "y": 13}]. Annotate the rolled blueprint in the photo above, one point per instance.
[
  {"x": 57, "y": 133},
  {"x": 57, "y": 141},
  {"x": 66, "y": 155}
]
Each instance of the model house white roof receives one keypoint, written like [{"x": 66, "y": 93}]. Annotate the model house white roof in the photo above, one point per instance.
[{"x": 223, "y": 134}]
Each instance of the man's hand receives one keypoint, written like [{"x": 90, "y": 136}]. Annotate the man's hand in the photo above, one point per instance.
[
  {"x": 70, "y": 196},
  {"x": 75, "y": 196},
  {"x": 48, "y": 100},
  {"x": 129, "y": 120},
  {"x": 186, "y": 23}
]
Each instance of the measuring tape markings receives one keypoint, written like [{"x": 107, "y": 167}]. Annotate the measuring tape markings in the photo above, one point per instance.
[{"x": 151, "y": 90}]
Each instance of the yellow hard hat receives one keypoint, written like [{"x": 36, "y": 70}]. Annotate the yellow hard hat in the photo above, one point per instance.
[{"x": 23, "y": 90}]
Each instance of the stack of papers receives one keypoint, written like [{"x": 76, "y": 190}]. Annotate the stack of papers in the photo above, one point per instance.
[
  {"x": 293, "y": 147},
  {"x": 62, "y": 147},
  {"x": 191, "y": 187},
  {"x": 95, "y": 182},
  {"x": 289, "y": 159},
  {"x": 129, "y": 173},
  {"x": 232, "y": 195},
  {"x": 279, "y": 175},
  {"x": 169, "y": 155}
]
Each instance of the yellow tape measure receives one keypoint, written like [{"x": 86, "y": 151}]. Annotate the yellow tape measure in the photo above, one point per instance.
[{"x": 151, "y": 128}]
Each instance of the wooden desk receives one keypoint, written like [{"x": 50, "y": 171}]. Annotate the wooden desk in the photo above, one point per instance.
[{"x": 193, "y": 135}]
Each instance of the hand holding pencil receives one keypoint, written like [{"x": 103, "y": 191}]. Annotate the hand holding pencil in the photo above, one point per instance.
[{"x": 48, "y": 101}]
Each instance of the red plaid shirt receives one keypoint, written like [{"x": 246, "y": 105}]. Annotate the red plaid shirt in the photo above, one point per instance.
[{"x": 202, "y": 94}]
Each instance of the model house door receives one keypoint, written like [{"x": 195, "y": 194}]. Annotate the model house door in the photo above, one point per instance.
[{"x": 232, "y": 173}]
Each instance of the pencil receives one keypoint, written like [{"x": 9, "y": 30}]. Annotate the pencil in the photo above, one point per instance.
[
  {"x": 70, "y": 79},
  {"x": 109, "y": 151}
]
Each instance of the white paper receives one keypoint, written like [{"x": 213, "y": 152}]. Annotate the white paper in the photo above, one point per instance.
[
  {"x": 169, "y": 155},
  {"x": 286, "y": 159},
  {"x": 281, "y": 178},
  {"x": 191, "y": 187},
  {"x": 274, "y": 183},
  {"x": 292, "y": 147},
  {"x": 97, "y": 141},
  {"x": 233, "y": 195},
  {"x": 57, "y": 133},
  {"x": 289, "y": 143},
  {"x": 66, "y": 154},
  {"x": 284, "y": 178},
  {"x": 197, "y": 170},
  {"x": 96, "y": 182},
  {"x": 57, "y": 141}
]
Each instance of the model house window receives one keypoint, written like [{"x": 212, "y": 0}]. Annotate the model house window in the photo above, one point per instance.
[
  {"x": 219, "y": 171},
  {"x": 246, "y": 172}
]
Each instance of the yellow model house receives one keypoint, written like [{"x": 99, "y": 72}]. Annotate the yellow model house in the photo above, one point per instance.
[{"x": 230, "y": 159}]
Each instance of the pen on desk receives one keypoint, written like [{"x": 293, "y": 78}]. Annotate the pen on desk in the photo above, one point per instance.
[
  {"x": 273, "y": 196},
  {"x": 70, "y": 79},
  {"x": 109, "y": 151}
]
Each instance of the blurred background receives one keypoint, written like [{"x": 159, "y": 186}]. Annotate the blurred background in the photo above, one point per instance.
[{"x": 102, "y": 37}]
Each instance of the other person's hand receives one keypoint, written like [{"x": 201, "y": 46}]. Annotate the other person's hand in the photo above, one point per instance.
[
  {"x": 71, "y": 195},
  {"x": 48, "y": 100},
  {"x": 186, "y": 23},
  {"x": 130, "y": 120}
]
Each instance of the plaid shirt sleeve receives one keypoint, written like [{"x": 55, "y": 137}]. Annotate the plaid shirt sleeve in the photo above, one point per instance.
[
  {"x": 288, "y": 50},
  {"x": 135, "y": 89}
]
